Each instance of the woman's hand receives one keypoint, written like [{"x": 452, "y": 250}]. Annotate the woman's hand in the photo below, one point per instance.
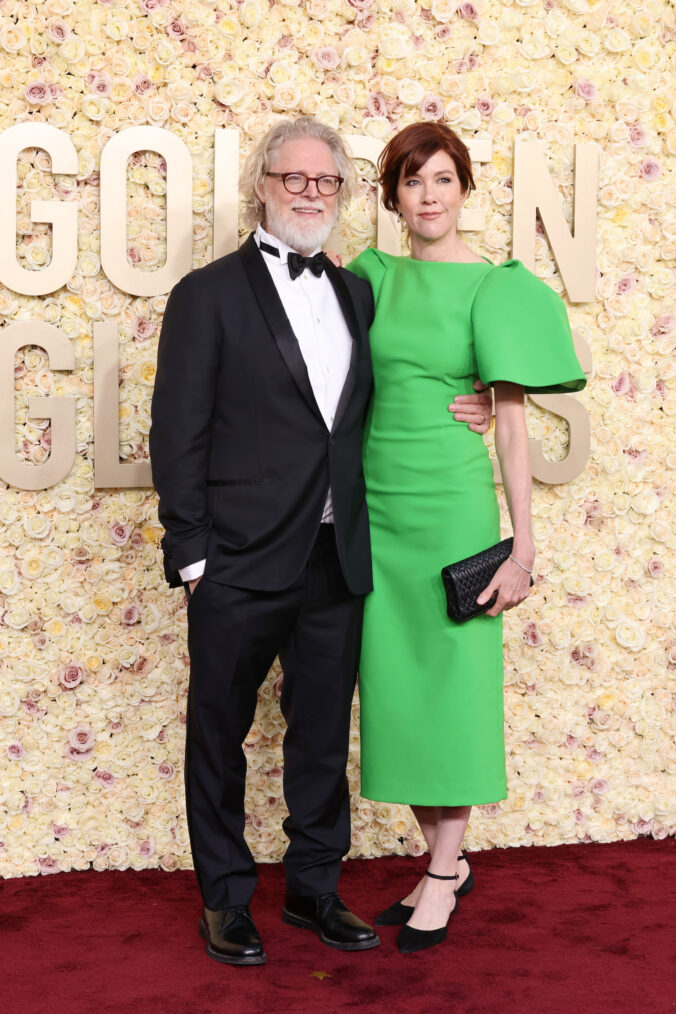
[{"x": 512, "y": 584}]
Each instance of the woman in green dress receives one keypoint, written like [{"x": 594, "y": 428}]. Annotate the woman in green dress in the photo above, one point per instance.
[{"x": 431, "y": 689}]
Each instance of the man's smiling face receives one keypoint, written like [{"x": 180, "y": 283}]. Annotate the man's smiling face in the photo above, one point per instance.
[{"x": 302, "y": 221}]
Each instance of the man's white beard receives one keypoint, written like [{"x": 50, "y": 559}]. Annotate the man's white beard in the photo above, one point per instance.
[{"x": 304, "y": 237}]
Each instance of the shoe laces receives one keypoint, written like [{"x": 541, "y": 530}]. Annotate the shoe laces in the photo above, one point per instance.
[
  {"x": 325, "y": 901},
  {"x": 235, "y": 910}
]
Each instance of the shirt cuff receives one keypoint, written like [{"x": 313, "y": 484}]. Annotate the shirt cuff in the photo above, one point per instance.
[{"x": 192, "y": 571}]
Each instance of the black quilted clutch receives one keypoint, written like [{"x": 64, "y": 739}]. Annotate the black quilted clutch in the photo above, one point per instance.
[{"x": 467, "y": 578}]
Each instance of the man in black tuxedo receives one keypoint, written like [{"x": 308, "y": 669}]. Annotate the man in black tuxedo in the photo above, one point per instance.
[{"x": 263, "y": 378}]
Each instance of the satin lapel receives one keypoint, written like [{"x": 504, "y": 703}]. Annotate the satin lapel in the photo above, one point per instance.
[
  {"x": 272, "y": 309},
  {"x": 347, "y": 306}
]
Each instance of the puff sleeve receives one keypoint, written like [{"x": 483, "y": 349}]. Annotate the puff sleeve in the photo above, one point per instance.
[
  {"x": 521, "y": 333},
  {"x": 371, "y": 265}
]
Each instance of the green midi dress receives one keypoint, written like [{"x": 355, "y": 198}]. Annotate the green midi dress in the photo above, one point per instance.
[{"x": 430, "y": 689}]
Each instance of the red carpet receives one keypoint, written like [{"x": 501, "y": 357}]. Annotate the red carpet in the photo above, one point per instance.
[{"x": 586, "y": 929}]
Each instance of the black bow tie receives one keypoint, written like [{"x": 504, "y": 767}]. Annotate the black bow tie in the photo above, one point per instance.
[{"x": 297, "y": 264}]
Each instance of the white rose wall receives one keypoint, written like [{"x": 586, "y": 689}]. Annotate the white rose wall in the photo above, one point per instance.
[{"x": 93, "y": 657}]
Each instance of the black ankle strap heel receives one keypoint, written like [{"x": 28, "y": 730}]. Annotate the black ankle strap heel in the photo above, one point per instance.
[{"x": 437, "y": 876}]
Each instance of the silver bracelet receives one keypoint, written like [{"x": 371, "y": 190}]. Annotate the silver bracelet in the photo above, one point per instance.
[{"x": 520, "y": 564}]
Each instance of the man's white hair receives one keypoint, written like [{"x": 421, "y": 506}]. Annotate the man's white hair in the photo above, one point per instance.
[{"x": 261, "y": 158}]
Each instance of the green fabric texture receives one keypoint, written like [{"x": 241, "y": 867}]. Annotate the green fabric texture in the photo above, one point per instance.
[{"x": 430, "y": 689}]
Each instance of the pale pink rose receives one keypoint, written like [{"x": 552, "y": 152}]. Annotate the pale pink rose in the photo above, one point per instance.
[
  {"x": 147, "y": 847},
  {"x": 204, "y": 71},
  {"x": 46, "y": 864},
  {"x": 133, "y": 255},
  {"x": 415, "y": 847},
  {"x": 37, "y": 61},
  {"x": 136, "y": 539},
  {"x": 577, "y": 601},
  {"x": 176, "y": 29},
  {"x": 577, "y": 789},
  {"x": 360, "y": 5},
  {"x": 151, "y": 5},
  {"x": 60, "y": 830},
  {"x": 532, "y": 635},
  {"x": 461, "y": 66},
  {"x": 622, "y": 384},
  {"x": 15, "y": 751},
  {"x": 376, "y": 104},
  {"x": 326, "y": 57},
  {"x": 655, "y": 567},
  {"x": 142, "y": 665},
  {"x": 625, "y": 285},
  {"x": 189, "y": 45},
  {"x": 586, "y": 90},
  {"x": 598, "y": 786},
  {"x": 162, "y": 167},
  {"x": 538, "y": 796},
  {"x": 162, "y": 736},
  {"x": 30, "y": 707},
  {"x": 38, "y": 93},
  {"x": 443, "y": 32},
  {"x": 166, "y": 770},
  {"x": 130, "y": 615},
  {"x": 279, "y": 683},
  {"x": 431, "y": 108},
  {"x": 643, "y": 826},
  {"x": 105, "y": 778},
  {"x": 469, "y": 11},
  {"x": 650, "y": 169},
  {"x": 72, "y": 753},
  {"x": 579, "y": 816},
  {"x": 81, "y": 738},
  {"x": 663, "y": 325},
  {"x": 169, "y": 863},
  {"x": 119, "y": 533},
  {"x": 472, "y": 61},
  {"x": 142, "y": 84},
  {"x": 143, "y": 328},
  {"x": 58, "y": 31},
  {"x": 100, "y": 85},
  {"x": 636, "y": 455},
  {"x": 593, "y": 755},
  {"x": 485, "y": 106},
  {"x": 637, "y": 135},
  {"x": 71, "y": 675},
  {"x": 115, "y": 726},
  {"x": 102, "y": 849}
]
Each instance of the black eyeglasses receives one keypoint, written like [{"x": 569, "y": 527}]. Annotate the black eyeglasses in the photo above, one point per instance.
[{"x": 296, "y": 183}]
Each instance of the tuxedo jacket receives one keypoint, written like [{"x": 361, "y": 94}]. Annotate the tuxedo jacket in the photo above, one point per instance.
[{"x": 241, "y": 457}]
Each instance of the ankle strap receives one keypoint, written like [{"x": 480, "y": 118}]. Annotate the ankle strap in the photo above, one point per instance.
[{"x": 436, "y": 876}]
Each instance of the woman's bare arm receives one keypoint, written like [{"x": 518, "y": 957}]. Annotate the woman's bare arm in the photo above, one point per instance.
[{"x": 511, "y": 581}]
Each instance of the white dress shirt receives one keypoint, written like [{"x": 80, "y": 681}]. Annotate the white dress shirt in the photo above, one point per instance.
[{"x": 325, "y": 342}]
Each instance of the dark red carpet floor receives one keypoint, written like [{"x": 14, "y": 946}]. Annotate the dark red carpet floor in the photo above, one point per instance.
[{"x": 586, "y": 929}]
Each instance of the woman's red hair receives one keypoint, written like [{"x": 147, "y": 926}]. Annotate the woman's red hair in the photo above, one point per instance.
[{"x": 408, "y": 150}]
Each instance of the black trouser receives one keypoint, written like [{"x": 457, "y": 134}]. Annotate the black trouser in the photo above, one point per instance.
[{"x": 234, "y": 635}]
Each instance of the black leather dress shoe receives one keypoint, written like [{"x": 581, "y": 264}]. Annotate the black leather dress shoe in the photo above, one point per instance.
[
  {"x": 232, "y": 937},
  {"x": 328, "y": 917}
]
